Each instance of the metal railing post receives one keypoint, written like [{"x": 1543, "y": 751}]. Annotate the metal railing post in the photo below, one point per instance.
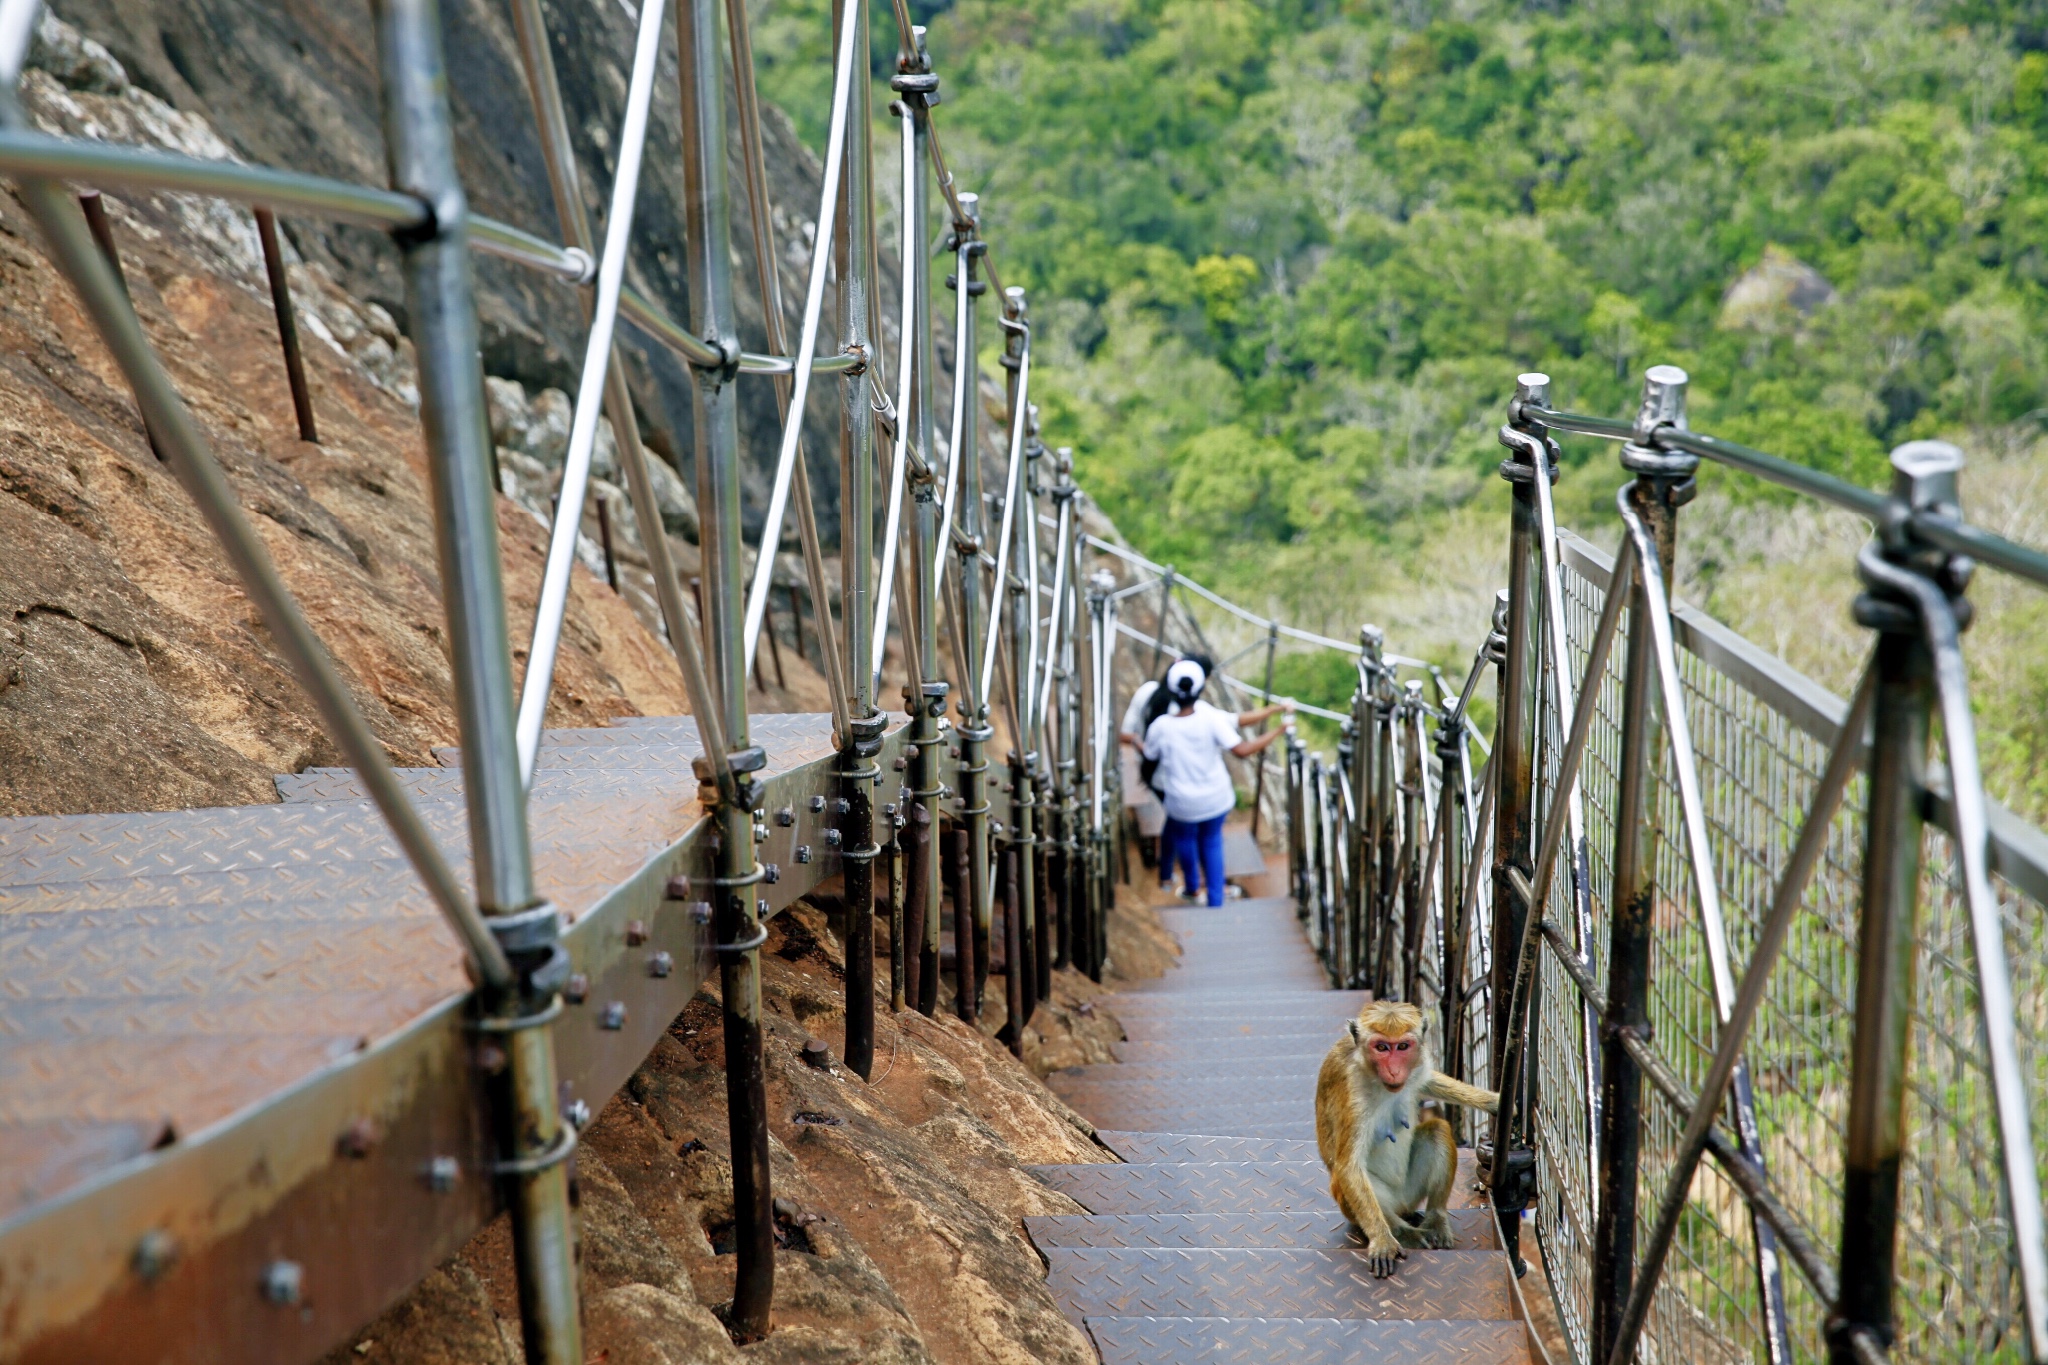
[
  {"x": 853, "y": 248},
  {"x": 1343, "y": 958},
  {"x": 1362, "y": 773},
  {"x": 1259, "y": 782},
  {"x": 420, "y": 147},
  {"x": 1414, "y": 793},
  {"x": 972, "y": 706},
  {"x": 1018, "y": 515},
  {"x": 1384, "y": 833},
  {"x": 1513, "y": 830},
  {"x": 1887, "y": 946},
  {"x": 735, "y": 919},
  {"x": 1663, "y": 483},
  {"x": 925, "y": 698}
]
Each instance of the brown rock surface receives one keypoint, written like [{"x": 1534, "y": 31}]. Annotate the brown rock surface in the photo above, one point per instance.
[
  {"x": 899, "y": 1202},
  {"x": 134, "y": 674}
]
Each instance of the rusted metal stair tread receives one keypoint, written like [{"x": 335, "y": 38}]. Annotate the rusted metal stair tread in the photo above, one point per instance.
[
  {"x": 1475, "y": 1230},
  {"x": 1142, "y": 1147},
  {"x": 1194, "y": 1187},
  {"x": 1303, "y": 1341},
  {"x": 1298, "y": 1066},
  {"x": 1178, "y": 1282},
  {"x": 1282, "y": 1047}
]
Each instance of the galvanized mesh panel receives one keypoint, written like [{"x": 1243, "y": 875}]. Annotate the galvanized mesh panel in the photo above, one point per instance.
[{"x": 1957, "y": 1293}]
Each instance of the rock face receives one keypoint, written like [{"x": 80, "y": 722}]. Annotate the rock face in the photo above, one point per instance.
[
  {"x": 134, "y": 674},
  {"x": 897, "y": 1202},
  {"x": 297, "y": 86}
]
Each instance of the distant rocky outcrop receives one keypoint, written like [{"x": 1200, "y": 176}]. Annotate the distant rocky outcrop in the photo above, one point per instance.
[{"x": 1775, "y": 294}]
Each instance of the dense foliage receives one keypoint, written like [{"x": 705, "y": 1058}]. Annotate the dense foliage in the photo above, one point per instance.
[{"x": 1287, "y": 258}]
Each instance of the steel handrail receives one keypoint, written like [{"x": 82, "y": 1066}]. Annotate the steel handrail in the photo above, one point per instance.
[{"x": 1935, "y": 528}]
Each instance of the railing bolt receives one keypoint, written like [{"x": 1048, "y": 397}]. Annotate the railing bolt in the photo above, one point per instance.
[
  {"x": 283, "y": 1281},
  {"x": 660, "y": 964},
  {"x": 443, "y": 1174},
  {"x": 614, "y": 1016},
  {"x": 155, "y": 1250}
]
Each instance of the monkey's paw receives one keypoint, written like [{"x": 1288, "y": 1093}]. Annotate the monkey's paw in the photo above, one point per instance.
[
  {"x": 1435, "y": 1231},
  {"x": 1381, "y": 1254}
]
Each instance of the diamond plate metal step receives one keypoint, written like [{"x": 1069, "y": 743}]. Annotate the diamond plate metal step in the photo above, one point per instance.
[
  {"x": 1141, "y": 1147},
  {"x": 1196, "y": 1187},
  {"x": 1304, "y": 1341},
  {"x": 1474, "y": 1228},
  {"x": 1288, "y": 1118},
  {"x": 1299, "y": 1067},
  {"x": 1226, "y": 1091},
  {"x": 1310, "y": 1046},
  {"x": 1201, "y": 1026},
  {"x": 1156, "y": 1282}
]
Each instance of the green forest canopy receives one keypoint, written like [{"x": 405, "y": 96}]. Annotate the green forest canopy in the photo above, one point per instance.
[{"x": 1285, "y": 259}]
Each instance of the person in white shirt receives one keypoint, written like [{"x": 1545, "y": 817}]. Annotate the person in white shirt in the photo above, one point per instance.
[{"x": 1189, "y": 742}]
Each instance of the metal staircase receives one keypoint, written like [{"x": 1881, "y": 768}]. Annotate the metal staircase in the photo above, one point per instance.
[{"x": 1218, "y": 1241}]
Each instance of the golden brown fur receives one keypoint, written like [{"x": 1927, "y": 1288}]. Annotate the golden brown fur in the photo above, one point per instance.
[{"x": 1386, "y": 1158}]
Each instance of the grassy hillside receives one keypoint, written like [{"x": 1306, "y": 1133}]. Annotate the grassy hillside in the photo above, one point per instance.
[{"x": 1287, "y": 259}]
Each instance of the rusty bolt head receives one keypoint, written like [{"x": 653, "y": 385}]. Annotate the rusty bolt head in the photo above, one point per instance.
[
  {"x": 490, "y": 1058},
  {"x": 700, "y": 912},
  {"x": 678, "y": 888},
  {"x": 897, "y": 763},
  {"x": 661, "y": 964},
  {"x": 816, "y": 1054},
  {"x": 443, "y": 1174},
  {"x": 284, "y": 1282},
  {"x": 785, "y": 817},
  {"x": 359, "y": 1138},
  {"x": 155, "y": 1250},
  {"x": 803, "y": 851},
  {"x": 953, "y": 752},
  {"x": 578, "y": 988},
  {"x": 614, "y": 1016},
  {"x": 771, "y": 873},
  {"x": 816, "y": 803},
  {"x": 832, "y": 838},
  {"x": 636, "y": 932}
]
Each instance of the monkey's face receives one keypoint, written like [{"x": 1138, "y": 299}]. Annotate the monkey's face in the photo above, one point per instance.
[{"x": 1393, "y": 1058}]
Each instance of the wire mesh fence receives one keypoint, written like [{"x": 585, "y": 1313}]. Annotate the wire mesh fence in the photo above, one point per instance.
[{"x": 1762, "y": 735}]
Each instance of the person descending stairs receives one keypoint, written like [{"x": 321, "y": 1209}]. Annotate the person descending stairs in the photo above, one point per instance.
[{"x": 1217, "y": 1240}]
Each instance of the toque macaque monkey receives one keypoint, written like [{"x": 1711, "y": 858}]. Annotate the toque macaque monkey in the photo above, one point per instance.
[{"x": 1386, "y": 1158}]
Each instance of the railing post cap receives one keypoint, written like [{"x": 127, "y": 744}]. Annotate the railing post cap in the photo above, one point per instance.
[
  {"x": 1663, "y": 400},
  {"x": 970, "y": 206},
  {"x": 1924, "y": 474},
  {"x": 1533, "y": 387}
]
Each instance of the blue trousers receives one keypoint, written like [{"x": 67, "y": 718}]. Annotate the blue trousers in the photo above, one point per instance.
[
  {"x": 1201, "y": 844},
  {"x": 1169, "y": 837}
]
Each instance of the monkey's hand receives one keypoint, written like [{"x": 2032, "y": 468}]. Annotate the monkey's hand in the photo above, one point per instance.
[{"x": 1382, "y": 1251}]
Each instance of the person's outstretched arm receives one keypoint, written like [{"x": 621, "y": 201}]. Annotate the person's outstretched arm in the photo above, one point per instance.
[{"x": 1246, "y": 748}]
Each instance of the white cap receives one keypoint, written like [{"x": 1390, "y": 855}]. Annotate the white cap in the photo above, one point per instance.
[{"x": 1185, "y": 679}]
